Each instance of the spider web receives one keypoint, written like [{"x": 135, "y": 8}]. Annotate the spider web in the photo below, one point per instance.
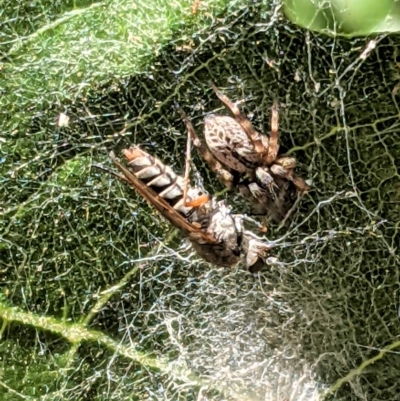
[{"x": 102, "y": 300}]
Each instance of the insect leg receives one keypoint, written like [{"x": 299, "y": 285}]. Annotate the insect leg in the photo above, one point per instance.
[
  {"x": 201, "y": 200},
  {"x": 187, "y": 170},
  {"x": 223, "y": 175},
  {"x": 243, "y": 217}
]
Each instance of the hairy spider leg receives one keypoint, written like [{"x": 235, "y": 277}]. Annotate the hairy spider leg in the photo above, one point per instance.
[
  {"x": 273, "y": 147},
  {"x": 248, "y": 128}
]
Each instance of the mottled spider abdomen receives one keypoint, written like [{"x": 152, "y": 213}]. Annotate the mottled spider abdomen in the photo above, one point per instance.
[{"x": 230, "y": 144}]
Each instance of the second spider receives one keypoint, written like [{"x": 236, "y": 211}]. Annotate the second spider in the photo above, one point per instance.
[{"x": 242, "y": 157}]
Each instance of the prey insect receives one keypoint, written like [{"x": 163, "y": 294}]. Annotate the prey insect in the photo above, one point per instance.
[
  {"x": 243, "y": 158},
  {"x": 215, "y": 234}
]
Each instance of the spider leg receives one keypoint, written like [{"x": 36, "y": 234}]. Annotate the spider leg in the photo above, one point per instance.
[
  {"x": 265, "y": 179},
  {"x": 300, "y": 184},
  {"x": 288, "y": 173},
  {"x": 286, "y": 161},
  {"x": 223, "y": 175},
  {"x": 258, "y": 201},
  {"x": 273, "y": 147},
  {"x": 281, "y": 171},
  {"x": 253, "y": 135}
]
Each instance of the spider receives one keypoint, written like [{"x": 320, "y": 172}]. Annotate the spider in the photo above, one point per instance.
[{"x": 242, "y": 157}]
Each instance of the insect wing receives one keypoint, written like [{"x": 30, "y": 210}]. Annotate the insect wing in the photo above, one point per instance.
[{"x": 162, "y": 206}]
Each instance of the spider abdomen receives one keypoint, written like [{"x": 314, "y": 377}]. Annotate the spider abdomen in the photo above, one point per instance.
[{"x": 229, "y": 143}]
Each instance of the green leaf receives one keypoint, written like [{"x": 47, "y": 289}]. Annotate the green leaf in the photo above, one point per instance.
[{"x": 345, "y": 17}]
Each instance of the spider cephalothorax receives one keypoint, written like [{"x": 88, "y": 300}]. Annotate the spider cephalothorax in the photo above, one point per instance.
[{"x": 240, "y": 155}]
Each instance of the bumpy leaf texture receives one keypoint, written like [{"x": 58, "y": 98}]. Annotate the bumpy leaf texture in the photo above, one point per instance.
[{"x": 101, "y": 300}]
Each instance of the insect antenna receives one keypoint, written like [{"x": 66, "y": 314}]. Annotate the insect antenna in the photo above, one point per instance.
[{"x": 111, "y": 172}]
